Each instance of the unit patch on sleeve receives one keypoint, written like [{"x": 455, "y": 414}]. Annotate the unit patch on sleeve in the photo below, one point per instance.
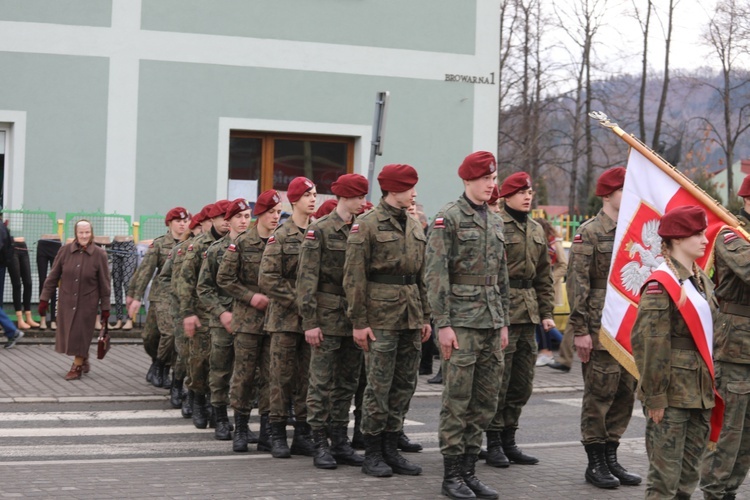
[
  {"x": 578, "y": 239},
  {"x": 439, "y": 223},
  {"x": 310, "y": 235},
  {"x": 232, "y": 248},
  {"x": 355, "y": 228},
  {"x": 271, "y": 240},
  {"x": 730, "y": 237},
  {"x": 654, "y": 288}
]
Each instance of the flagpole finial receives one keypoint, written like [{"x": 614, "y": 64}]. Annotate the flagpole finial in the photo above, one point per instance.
[{"x": 604, "y": 122}]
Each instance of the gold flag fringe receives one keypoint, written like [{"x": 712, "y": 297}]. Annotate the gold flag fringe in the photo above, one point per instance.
[{"x": 618, "y": 352}]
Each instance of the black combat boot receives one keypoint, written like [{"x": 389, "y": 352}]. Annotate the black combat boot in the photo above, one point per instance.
[
  {"x": 151, "y": 371},
  {"x": 187, "y": 404},
  {"x": 358, "y": 441},
  {"x": 513, "y": 452},
  {"x": 374, "y": 464},
  {"x": 157, "y": 379},
  {"x": 495, "y": 455},
  {"x": 405, "y": 445},
  {"x": 454, "y": 485},
  {"x": 437, "y": 379},
  {"x": 394, "y": 459},
  {"x": 342, "y": 450},
  {"x": 626, "y": 478},
  {"x": 210, "y": 415},
  {"x": 279, "y": 447},
  {"x": 167, "y": 379},
  {"x": 239, "y": 444},
  {"x": 597, "y": 473},
  {"x": 222, "y": 431},
  {"x": 302, "y": 443},
  {"x": 729, "y": 496},
  {"x": 175, "y": 394},
  {"x": 200, "y": 418},
  {"x": 480, "y": 489},
  {"x": 323, "y": 458},
  {"x": 264, "y": 437}
]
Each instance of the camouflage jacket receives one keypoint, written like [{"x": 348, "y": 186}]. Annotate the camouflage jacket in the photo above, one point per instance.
[
  {"x": 185, "y": 278},
  {"x": 211, "y": 297},
  {"x": 528, "y": 261},
  {"x": 463, "y": 246},
  {"x": 238, "y": 276},
  {"x": 732, "y": 265},
  {"x": 670, "y": 376},
  {"x": 588, "y": 269},
  {"x": 278, "y": 278},
  {"x": 174, "y": 260},
  {"x": 320, "y": 296},
  {"x": 378, "y": 248},
  {"x": 152, "y": 263}
]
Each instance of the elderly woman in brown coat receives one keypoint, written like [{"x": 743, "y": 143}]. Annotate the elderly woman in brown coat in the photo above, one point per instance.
[{"x": 81, "y": 269}]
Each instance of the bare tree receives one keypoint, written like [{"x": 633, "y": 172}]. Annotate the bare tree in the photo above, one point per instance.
[
  {"x": 645, "y": 23},
  {"x": 665, "y": 79}
]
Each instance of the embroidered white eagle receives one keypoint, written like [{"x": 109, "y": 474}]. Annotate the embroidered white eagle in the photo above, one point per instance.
[{"x": 634, "y": 274}]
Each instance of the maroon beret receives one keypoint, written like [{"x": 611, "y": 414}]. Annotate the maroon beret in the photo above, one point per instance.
[
  {"x": 176, "y": 213},
  {"x": 326, "y": 208},
  {"x": 396, "y": 178},
  {"x": 266, "y": 201},
  {"x": 477, "y": 165},
  {"x": 350, "y": 186},
  {"x": 515, "y": 183},
  {"x": 298, "y": 187},
  {"x": 200, "y": 216},
  {"x": 495, "y": 195},
  {"x": 745, "y": 188},
  {"x": 682, "y": 222},
  {"x": 368, "y": 206},
  {"x": 218, "y": 208},
  {"x": 237, "y": 206},
  {"x": 610, "y": 181}
]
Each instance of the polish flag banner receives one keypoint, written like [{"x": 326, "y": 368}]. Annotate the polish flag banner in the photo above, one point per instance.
[{"x": 649, "y": 192}]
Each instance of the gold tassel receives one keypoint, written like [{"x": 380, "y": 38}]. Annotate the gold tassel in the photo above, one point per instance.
[{"x": 619, "y": 353}]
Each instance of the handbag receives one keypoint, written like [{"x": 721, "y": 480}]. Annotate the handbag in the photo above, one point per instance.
[{"x": 102, "y": 347}]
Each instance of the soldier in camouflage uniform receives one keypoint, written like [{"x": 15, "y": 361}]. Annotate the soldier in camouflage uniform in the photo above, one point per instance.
[
  {"x": 531, "y": 303},
  {"x": 467, "y": 283},
  {"x": 387, "y": 305},
  {"x": 159, "y": 321},
  {"x": 724, "y": 469},
  {"x": 238, "y": 276},
  {"x": 608, "y": 396},
  {"x": 290, "y": 354},
  {"x": 219, "y": 305},
  {"x": 335, "y": 360},
  {"x": 194, "y": 315},
  {"x": 676, "y": 386}
]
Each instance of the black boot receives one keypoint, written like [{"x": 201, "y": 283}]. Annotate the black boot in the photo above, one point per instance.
[
  {"x": 323, "y": 458},
  {"x": 239, "y": 444},
  {"x": 210, "y": 415},
  {"x": 279, "y": 447},
  {"x": 222, "y": 432},
  {"x": 200, "y": 419},
  {"x": 513, "y": 452},
  {"x": 302, "y": 443},
  {"x": 175, "y": 394},
  {"x": 358, "y": 441},
  {"x": 617, "y": 470},
  {"x": 187, "y": 404},
  {"x": 168, "y": 380},
  {"x": 495, "y": 455},
  {"x": 264, "y": 437},
  {"x": 437, "y": 379},
  {"x": 374, "y": 464},
  {"x": 157, "y": 380},
  {"x": 342, "y": 450},
  {"x": 454, "y": 485},
  {"x": 480, "y": 489},
  {"x": 404, "y": 444},
  {"x": 597, "y": 473},
  {"x": 394, "y": 459},
  {"x": 151, "y": 371}
]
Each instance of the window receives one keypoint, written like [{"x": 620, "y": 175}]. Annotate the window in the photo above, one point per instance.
[{"x": 271, "y": 161}]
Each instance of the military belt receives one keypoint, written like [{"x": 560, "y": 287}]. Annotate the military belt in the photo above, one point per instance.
[
  {"x": 331, "y": 288},
  {"x": 684, "y": 343},
  {"x": 389, "y": 279},
  {"x": 521, "y": 283},
  {"x": 599, "y": 283},
  {"x": 469, "y": 279},
  {"x": 736, "y": 309}
]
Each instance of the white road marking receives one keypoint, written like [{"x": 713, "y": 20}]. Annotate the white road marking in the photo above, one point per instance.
[{"x": 577, "y": 402}]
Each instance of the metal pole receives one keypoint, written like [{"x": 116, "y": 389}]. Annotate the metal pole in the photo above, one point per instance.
[{"x": 378, "y": 132}]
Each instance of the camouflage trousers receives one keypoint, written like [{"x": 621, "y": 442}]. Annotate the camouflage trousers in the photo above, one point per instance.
[
  {"x": 288, "y": 376},
  {"x": 359, "y": 395},
  {"x": 150, "y": 333},
  {"x": 472, "y": 383},
  {"x": 608, "y": 399},
  {"x": 725, "y": 468},
  {"x": 165, "y": 320},
  {"x": 252, "y": 361},
  {"x": 565, "y": 356},
  {"x": 675, "y": 447},
  {"x": 220, "y": 364},
  {"x": 334, "y": 377},
  {"x": 182, "y": 349},
  {"x": 199, "y": 348},
  {"x": 518, "y": 376},
  {"x": 392, "y": 365}
]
